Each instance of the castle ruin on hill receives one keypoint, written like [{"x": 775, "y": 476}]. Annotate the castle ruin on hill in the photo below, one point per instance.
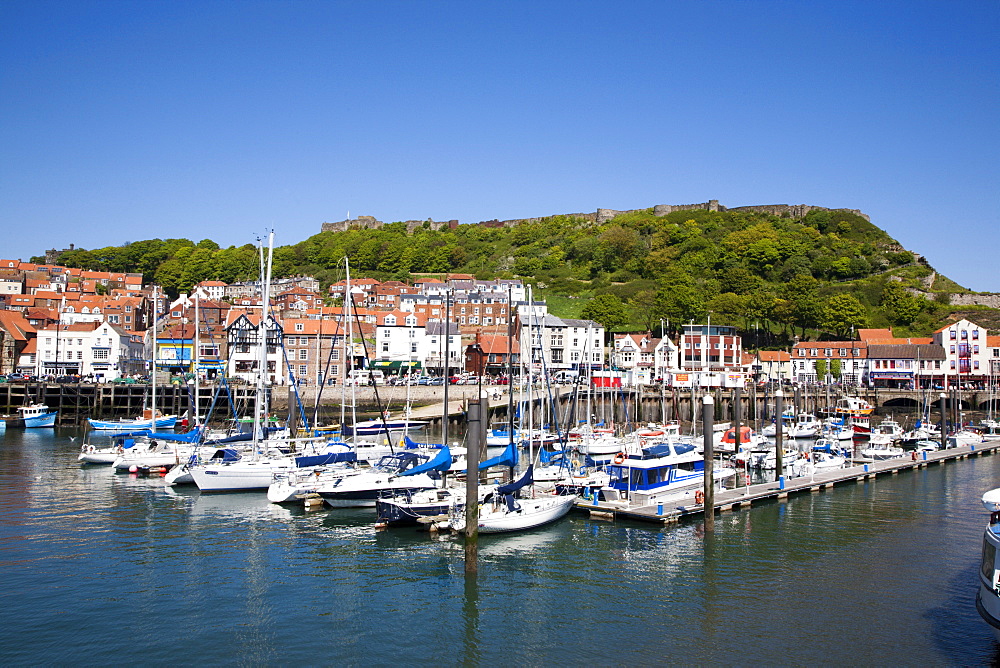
[{"x": 599, "y": 217}]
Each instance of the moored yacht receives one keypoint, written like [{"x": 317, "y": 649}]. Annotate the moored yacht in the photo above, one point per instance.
[{"x": 988, "y": 597}]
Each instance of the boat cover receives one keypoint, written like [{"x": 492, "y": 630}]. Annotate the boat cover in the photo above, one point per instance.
[
  {"x": 440, "y": 462},
  {"x": 410, "y": 444},
  {"x": 230, "y": 439},
  {"x": 511, "y": 487},
  {"x": 326, "y": 458},
  {"x": 190, "y": 437},
  {"x": 506, "y": 458}
]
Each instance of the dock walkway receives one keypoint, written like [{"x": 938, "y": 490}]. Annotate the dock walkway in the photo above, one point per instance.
[{"x": 743, "y": 497}]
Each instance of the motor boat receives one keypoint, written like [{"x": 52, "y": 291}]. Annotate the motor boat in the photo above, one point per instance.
[{"x": 988, "y": 596}]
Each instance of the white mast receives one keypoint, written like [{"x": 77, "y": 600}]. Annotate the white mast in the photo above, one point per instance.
[
  {"x": 196, "y": 420},
  {"x": 260, "y": 413},
  {"x": 152, "y": 356}
]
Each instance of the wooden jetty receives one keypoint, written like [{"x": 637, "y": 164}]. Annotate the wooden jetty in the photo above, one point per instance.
[{"x": 744, "y": 497}]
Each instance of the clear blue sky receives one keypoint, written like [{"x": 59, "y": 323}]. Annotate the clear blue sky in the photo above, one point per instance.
[{"x": 122, "y": 121}]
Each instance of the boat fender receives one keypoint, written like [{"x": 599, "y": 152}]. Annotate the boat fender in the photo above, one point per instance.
[
  {"x": 620, "y": 458},
  {"x": 914, "y": 455},
  {"x": 699, "y": 497},
  {"x": 90, "y": 448},
  {"x": 576, "y": 463}
]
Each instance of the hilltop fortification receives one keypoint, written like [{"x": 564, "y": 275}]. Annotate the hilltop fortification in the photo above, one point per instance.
[{"x": 599, "y": 217}]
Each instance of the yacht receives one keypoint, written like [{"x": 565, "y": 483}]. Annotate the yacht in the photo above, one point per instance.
[
  {"x": 642, "y": 477},
  {"x": 988, "y": 597}
]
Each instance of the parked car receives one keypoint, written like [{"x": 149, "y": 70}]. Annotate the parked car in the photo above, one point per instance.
[
  {"x": 436, "y": 381},
  {"x": 67, "y": 379}
]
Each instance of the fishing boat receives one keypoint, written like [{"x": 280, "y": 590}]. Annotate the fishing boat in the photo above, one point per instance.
[
  {"x": 852, "y": 407},
  {"x": 32, "y": 416},
  {"x": 988, "y": 597}
]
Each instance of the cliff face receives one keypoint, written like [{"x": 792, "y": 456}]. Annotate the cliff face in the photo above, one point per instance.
[{"x": 600, "y": 217}]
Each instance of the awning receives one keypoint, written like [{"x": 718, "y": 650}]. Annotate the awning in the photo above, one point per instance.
[{"x": 390, "y": 364}]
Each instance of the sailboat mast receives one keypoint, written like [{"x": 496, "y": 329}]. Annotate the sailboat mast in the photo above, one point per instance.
[
  {"x": 348, "y": 349},
  {"x": 261, "y": 411},
  {"x": 195, "y": 419},
  {"x": 152, "y": 355}
]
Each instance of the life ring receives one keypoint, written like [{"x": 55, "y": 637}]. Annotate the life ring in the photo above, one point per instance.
[
  {"x": 620, "y": 458},
  {"x": 643, "y": 442},
  {"x": 699, "y": 497}
]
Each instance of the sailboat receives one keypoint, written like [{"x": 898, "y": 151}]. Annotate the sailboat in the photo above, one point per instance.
[{"x": 503, "y": 512}]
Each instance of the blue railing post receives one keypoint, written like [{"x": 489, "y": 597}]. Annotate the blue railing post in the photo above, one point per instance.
[
  {"x": 781, "y": 482},
  {"x": 659, "y": 509}
]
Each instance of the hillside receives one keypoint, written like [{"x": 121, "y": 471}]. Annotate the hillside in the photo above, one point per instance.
[{"x": 777, "y": 271}]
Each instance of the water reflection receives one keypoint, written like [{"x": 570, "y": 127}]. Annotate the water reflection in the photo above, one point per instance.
[{"x": 889, "y": 563}]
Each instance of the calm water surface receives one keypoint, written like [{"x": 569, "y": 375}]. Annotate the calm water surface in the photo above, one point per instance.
[{"x": 100, "y": 568}]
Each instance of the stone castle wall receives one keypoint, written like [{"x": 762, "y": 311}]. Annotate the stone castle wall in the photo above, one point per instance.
[
  {"x": 371, "y": 223},
  {"x": 599, "y": 217},
  {"x": 990, "y": 299}
]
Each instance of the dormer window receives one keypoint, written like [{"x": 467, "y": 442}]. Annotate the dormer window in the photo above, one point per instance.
[{"x": 300, "y": 327}]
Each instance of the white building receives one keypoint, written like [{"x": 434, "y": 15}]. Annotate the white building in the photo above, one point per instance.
[
  {"x": 100, "y": 349},
  {"x": 557, "y": 344},
  {"x": 635, "y": 356},
  {"x": 967, "y": 355}
]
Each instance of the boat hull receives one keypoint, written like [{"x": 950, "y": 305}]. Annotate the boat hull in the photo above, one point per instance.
[
  {"x": 168, "y": 422},
  {"x": 241, "y": 476},
  {"x": 33, "y": 422},
  {"x": 533, "y": 513}
]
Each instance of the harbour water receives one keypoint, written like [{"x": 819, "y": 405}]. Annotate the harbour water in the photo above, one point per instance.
[{"x": 100, "y": 568}]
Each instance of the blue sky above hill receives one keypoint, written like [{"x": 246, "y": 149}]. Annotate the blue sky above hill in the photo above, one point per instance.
[{"x": 122, "y": 121}]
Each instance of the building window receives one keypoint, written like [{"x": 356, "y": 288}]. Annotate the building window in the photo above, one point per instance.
[
  {"x": 814, "y": 352},
  {"x": 975, "y": 334},
  {"x": 952, "y": 333},
  {"x": 101, "y": 354},
  {"x": 300, "y": 327},
  {"x": 304, "y": 354},
  {"x": 303, "y": 370},
  {"x": 385, "y": 346}
]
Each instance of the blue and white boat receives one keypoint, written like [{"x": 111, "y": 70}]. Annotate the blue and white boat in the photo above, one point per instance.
[
  {"x": 657, "y": 472},
  {"x": 988, "y": 597},
  {"x": 406, "y": 470},
  {"x": 162, "y": 422},
  {"x": 31, "y": 416}
]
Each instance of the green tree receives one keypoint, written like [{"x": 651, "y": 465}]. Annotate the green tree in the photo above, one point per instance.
[
  {"x": 609, "y": 310},
  {"x": 836, "y": 369},
  {"x": 821, "y": 370},
  {"x": 842, "y": 314},
  {"x": 901, "y": 307}
]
